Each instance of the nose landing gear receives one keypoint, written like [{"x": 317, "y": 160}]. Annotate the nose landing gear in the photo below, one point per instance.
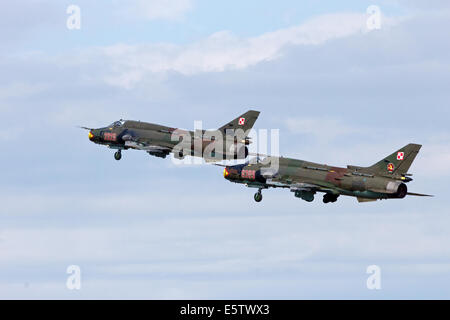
[
  {"x": 258, "y": 196},
  {"x": 118, "y": 155}
]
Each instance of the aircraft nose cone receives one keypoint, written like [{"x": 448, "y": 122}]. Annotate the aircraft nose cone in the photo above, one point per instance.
[{"x": 91, "y": 135}]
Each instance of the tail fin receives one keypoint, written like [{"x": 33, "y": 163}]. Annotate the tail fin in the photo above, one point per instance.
[
  {"x": 244, "y": 122},
  {"x": 397, "y": 163}
]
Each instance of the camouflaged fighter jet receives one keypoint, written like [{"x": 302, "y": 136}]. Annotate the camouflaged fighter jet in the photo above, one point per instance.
[
  {"x": 384, "y": 180},
  {"x": 160, "y": 141}
]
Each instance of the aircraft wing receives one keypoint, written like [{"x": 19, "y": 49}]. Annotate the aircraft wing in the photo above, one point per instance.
[
  {"x": 304, "y": 187},
  {"x": 143, "y": 144},
  {"x": 146, "y": 147},
  {"x": 154, "y": 150},
  {"x": 299, "y": 186}
]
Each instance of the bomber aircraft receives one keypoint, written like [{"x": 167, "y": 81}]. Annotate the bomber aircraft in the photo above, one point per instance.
[
  {"x": 160, "y": 141},
  {"x": 384, "y": 180}
]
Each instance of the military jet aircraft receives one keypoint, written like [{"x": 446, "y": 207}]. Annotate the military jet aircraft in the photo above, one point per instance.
[
  {"x": 160, "y": 141},
  {"x": 384, "y": 180}
]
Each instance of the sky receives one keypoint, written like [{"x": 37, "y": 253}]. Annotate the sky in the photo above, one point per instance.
[{"x": 145, "y": 228}]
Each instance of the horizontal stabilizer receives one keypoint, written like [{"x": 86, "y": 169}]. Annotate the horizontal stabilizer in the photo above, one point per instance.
[{"x": 419, "y": 194}]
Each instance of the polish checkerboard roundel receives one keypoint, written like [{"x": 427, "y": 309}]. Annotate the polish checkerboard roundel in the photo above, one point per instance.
[
  {"x": 400, "y": 156},
  {"x": 241, "y": 121}
]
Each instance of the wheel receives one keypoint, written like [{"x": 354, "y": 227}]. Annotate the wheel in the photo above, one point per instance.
[
  {"x": 118, "y": 155},
  {"x": 258, "y": 197},
  {"x": 179, "y": 155}
]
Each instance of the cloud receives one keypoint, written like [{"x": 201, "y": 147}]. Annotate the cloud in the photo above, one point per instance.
[
  {"x": 11, "y": 134},
  {"x": 434, "y": 159},
  {"x": 171, "y": 252},
  {"x": 22, "y": 16},
  {"x": 223, "y": 51},
  {"x": 155, "y": 9},
  {"x": 324, "y": 129},
  {"x": 21, "y": 89},
  {"x": 432, "y": 5}
]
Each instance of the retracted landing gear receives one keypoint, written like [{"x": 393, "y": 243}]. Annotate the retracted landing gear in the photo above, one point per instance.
[
  {"x": 258, "y": 196},
  {"x": 327, "y": 198},
  {"x": 118, "y": 155}
]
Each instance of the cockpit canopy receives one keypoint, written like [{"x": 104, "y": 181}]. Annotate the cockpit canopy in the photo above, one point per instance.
[{"x": 117, "y": 124}]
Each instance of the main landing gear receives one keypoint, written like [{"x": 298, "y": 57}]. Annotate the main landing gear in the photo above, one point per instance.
[
  {"x": 328, "y": 197},
  {"x": 179, "y": 155},
  {"x": 118, "y": 155},
  {"x": 258, "y": 196}
]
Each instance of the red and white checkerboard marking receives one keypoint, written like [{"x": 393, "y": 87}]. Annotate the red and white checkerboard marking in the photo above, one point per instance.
[
  {"x": 241, "y": 121},
  {"x": 400, "y": 156}
]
